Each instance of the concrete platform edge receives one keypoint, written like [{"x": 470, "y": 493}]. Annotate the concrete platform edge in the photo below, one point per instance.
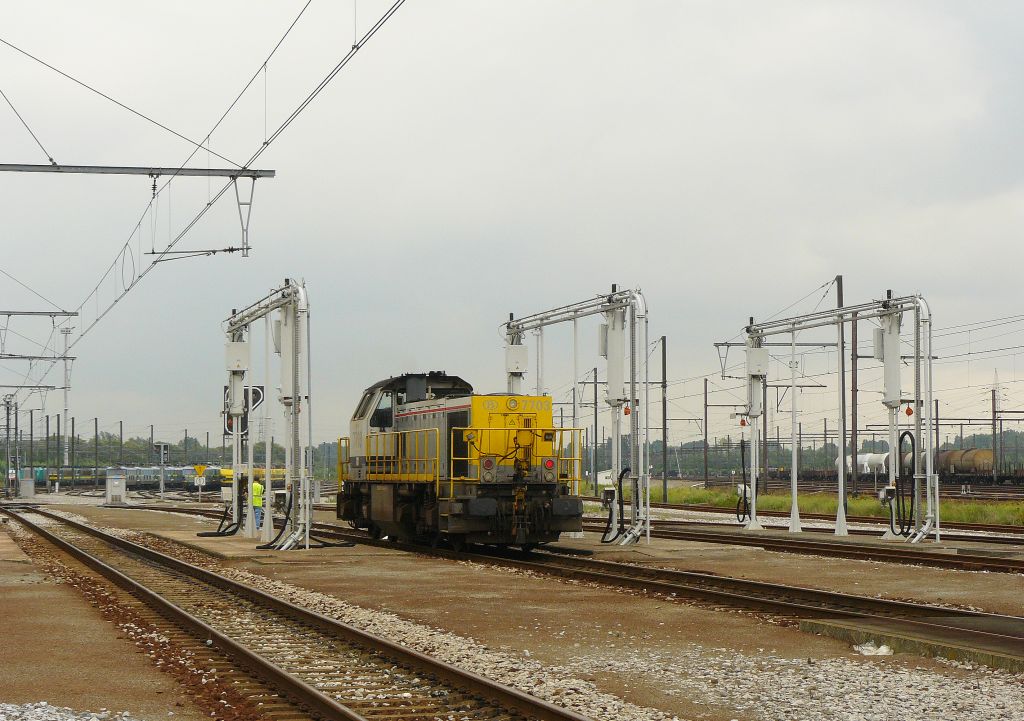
[{"x": 909, "y": 644}]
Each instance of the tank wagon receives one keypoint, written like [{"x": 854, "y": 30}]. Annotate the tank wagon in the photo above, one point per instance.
[{"x": 428, "y": 460}]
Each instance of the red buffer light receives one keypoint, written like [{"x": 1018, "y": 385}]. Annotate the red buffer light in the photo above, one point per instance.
[
  {"x": 549, "y": 464},
  {"x": 488, "y": 464}
]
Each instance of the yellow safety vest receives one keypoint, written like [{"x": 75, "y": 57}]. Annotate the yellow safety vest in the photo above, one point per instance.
[{"x": 257, "y": 494}]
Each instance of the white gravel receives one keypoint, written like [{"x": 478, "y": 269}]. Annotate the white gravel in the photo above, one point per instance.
[
  {"x": 774, "y": 688},
  {"x": 42, "y": 711}
]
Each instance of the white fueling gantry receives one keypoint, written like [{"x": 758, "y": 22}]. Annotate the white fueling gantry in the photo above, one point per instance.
[
  {"x": 624, "y": 313},
  {"x": 909, "y": 517},
  {"x": 289, "y": 333}
]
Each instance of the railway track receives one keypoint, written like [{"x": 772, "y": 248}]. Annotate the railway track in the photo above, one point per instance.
[
  {"x": 660, "y": 524},
  {"x": 325, "y": 668},
  {"x": 988, "y": 638},
  {"x": 978, "y": 527},
  {"x": 973, "y": 560},
  {"x": 957, "y": 559},
  {"x": 993, "y": 639}
]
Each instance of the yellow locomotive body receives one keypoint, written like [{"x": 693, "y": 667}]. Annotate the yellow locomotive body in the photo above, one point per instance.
[{"x": 428, "y": 459}]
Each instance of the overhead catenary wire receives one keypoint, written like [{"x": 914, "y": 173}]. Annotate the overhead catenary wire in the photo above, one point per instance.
[
  {"x": 34, "y": 136},
  {"x": 345, "y": 60},
  {"x": 130, "y": 109},
  {"x": 32, "y": 290},
  {"x": 266, "y": 144}
]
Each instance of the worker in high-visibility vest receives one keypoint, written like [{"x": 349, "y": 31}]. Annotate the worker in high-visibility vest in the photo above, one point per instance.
[{"x": 257, "y": 502}]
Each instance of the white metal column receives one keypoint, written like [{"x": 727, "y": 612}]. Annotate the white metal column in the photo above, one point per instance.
[{"x": 794, "y": 506}]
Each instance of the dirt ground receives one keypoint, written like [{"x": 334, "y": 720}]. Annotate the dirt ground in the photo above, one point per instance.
[
  {"x": 59, "y": 649},
  {"x": 561, "y": 623}
]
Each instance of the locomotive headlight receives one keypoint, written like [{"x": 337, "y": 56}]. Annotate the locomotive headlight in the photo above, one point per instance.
[{"x": 512, "y": 404}]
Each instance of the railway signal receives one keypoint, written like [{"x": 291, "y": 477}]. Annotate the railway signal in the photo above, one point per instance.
[{"x": 257, "y": 401}]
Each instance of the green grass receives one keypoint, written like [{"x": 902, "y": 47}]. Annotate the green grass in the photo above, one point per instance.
[{"x": 952, "y": 511}]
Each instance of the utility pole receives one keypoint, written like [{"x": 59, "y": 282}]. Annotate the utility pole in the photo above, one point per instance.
[
  {"x": 61, "y": 451},
  {"x": 824, "y": 438},
  {"x": 841, "y": 522},
  {"x": 207, "y": 461},
  {"x": 1002, "y": 454},
  {"x": 17, "y": 446},
  {"x": 31, "y": 445},
  {"x": 764, "y": 435},
  {"x": 184, "y": 447},
  {"x": 593, "y": 447},
  {"x": 707, "y": 481},
  {"x": 96, "y": 452},
  {"x": 66, "y": 332},
  {"x": 74, "y": 439},
  {"x": 664, "y": 423},
  {"x": 853, "y": 404},
  {"x": 7, "y": 442},
  {"x": 46, "y": 463},
  {"x": 994, "y": 472},
  {"x": 120, "y": 446},
  {"x": 151, "y": 446}
]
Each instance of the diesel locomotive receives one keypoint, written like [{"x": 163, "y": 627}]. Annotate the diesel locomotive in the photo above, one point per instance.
[{"x": 429, "y": 460}]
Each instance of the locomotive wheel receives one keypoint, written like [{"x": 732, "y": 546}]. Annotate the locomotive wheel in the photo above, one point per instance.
[
  {"x": 435, "y": 539},
  {"x": 458, "y": 542},
  {"x": 375, "y": 532},
  {"x": 527, "y": 547}
]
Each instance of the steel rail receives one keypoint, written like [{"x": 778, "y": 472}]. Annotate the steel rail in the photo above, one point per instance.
[
  {"x": 475, "y": 684},
  {"x": 668, "y": 523},
  {"x": 300, "y": 692},
  {"x": 958, "y": 561},
  {"x": 788, "y": 544}
]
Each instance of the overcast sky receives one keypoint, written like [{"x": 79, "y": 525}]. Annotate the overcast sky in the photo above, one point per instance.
[{"x": 478, "y": 158}]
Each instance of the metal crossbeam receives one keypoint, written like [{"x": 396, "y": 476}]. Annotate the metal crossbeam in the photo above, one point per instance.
[
  {"x": 15, "y": 356},
  {"x": 50, "y": 313},
  {"x": 152, "y": 172}
]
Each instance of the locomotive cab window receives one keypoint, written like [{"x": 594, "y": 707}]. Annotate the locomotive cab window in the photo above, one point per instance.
[
  {"x": 364, "y": 406},
  {"x": 383, "y": 414}
]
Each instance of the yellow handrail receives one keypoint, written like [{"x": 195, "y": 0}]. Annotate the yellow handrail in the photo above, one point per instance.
[
  {"x": 344, "y": 459},
  {"x": 402, "y": 455},
  {"x": 509, "y": 445}
]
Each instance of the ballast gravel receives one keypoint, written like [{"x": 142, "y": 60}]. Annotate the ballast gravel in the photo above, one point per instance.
[{"x": 42, "y": 711}]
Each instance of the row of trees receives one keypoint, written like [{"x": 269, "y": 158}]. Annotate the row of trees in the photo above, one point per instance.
[{"x": 108, "y": 450}]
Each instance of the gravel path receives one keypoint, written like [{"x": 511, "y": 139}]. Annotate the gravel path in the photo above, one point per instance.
[{"x": 773, "y": 688}]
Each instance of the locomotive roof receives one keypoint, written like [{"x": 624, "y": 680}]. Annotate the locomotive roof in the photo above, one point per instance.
[{"x": 441, "y": 384}]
